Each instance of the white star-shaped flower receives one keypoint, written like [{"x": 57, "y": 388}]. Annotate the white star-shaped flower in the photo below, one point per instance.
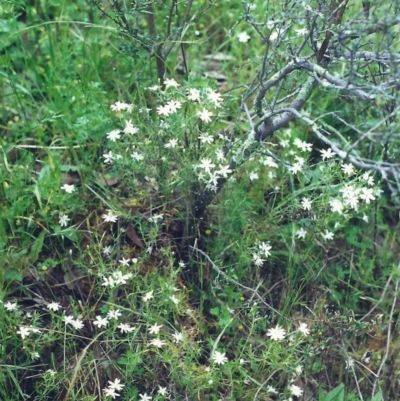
[
  {"x": 172, "y": 143},
  {"x": 219, "y": 358},
  {"x": 24, "y": 331},
  {"x": 109, "y": 282},
  {"x": 163, "y": 110},
  {"x": 116, "y": 384},
  {"x": 162, "y": 391},
  {"x": 156, "y": 342},
  {"x": 367, "y": 195},
  {"x": 215, "y": 97},
  {"x": 68, "y": 188},
  {"x": 77, "y": 324},
  {"x": 336, "y": 205},
  {"x": 296, "y": 167},
  {"x": 107, "y": 250},
  {"x": 170, "y": 83},
  {"x": 120, "y": 278},
  {"x": 54, "y": 306},
  {"x": 204, "y": 115},
  {"x": 129, "y": 128},
  {"x": 265, "y": 247},
  {"x": 257, "y": 260},
  {"x": 243, "y": 37},
  {"x": 368, "y": 178},
  {"x": 174, "y": 299},
  {"x": 348, "y": 169},
  {"x": 100, "y": 321},
  {"x": 114, "y": 135},
  {"x": 119, "y": 106},
  {"x": 253, "y": 175},
  {"x": 327, "y": 154},
  {"x": 306, "y": 204},
  {"x": 303, "y": 328},
  {"x": 301, "y": 233},
  {"x": 328, "y": 235},
  {"x": 276, "y": 333},
  {"x": 206, "y": 138},
  {"x": 178, "y": 337},
  {"x": 193, "y": 95},
  {"x": 125, "y": 328},
  {"x": 137, "y": 156},
  {"x": 110, "y": 217},
  {"x": 149, "y": 295},
  {"x": 64, "y": 219},
  {"x": 155, "y": 328},
  {"x": 108, "y": 157},
  {"x": 114, "y": 314},
  {"x": 174, "y": 105},
  {"x": 68, "y": 319},
  {"x": 10, "y": 306},
  {"x": 124, "y": 262},
  {"x": 224, "y": 171},
  {"x": 295, "y": 390},
  {"x": 206, "y": 165},
  {"x": 110, "y": 392}
]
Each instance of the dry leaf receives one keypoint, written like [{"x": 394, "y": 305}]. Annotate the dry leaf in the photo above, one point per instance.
[{"x": 133, "y": 236}]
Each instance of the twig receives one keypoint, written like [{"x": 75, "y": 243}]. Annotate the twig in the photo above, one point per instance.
[
  {"x": 388, "y": 339},
  {"x": 219, "y": 271},
  {"x": 380, "y": 299},
  {"x": 78, "y": 364},
  {"x": 264, "y": 383},
  {"x": 353, "y": 370}
]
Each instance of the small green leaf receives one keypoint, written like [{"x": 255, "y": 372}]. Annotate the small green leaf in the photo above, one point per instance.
[
  {"x": 337, "y": 394},
  {"x": 377, "y": 397},
  {"x": 13, "y": 275},
  {"x": 36, "y": 248}
]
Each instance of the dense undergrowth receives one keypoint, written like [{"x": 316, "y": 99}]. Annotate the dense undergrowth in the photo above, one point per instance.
[{"x": 116, "y": 282}]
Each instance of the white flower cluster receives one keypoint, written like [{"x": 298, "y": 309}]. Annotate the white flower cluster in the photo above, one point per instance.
[
  {"x": 25, "y": 331},
  {"x": 113, "y": 387},
  {"x": 262, "y": 253},
  {"x": 277, "y": 333},
  {"x": 77, "y": 323},
  {"x": 352, "y": 193},
  {"x": 356, "y": 188},
  {"x": 202, "y": 104},
  {"x": 116, "y": 278},
  {"x": 207, "y": 166}
]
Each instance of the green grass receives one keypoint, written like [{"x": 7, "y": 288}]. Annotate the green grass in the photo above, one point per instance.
[{"x": 193, "y": 284}]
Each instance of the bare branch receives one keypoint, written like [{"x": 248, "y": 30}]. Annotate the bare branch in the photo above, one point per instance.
[
  {"x": 384, "y": 58},
  {"x": 182, "y": 25},
  {"x": 338, "y": 83},
  {"x": 265, "y": 86},
  {"x": 267, "y": 126}
]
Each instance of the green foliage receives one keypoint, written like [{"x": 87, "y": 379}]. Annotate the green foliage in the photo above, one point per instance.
[{"x": 339, "y": 394}]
